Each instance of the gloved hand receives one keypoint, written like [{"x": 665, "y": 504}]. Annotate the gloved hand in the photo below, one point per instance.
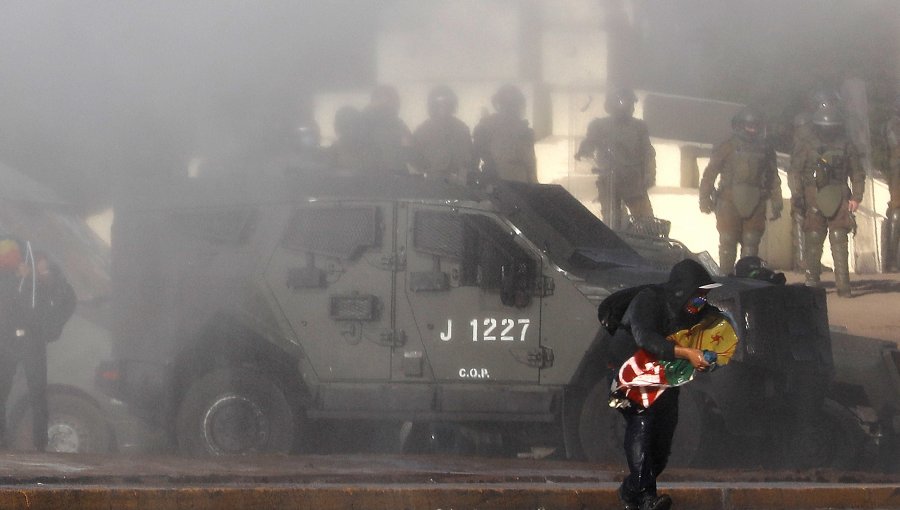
[
  {"x": 706, "y": 205},
  {"x": 712, "y": 358},
  {"x": 798, "y": 203}
]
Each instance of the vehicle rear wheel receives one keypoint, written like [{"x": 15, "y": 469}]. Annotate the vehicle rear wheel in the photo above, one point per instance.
[
  {"x": 235, "y": 411},
  {"x": 834, "y": 440},
  {"x": 601, "y": 429},
  {"x": 687, "y": 444},
  {"x": 74, "y": 425}
]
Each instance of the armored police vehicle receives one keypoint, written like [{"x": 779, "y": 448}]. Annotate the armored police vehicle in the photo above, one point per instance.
[{"x": 246, "y": 311}]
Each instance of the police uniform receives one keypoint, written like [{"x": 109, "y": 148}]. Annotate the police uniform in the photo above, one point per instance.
[
  {"x": 820, "y": 169},
  {"x": 505, "y": 145},
  {"x": 443, "y": 149},
  {"x": 802, "y": 133},
  {"x": 891, "y": 238},
  {"x": 748, "y": 176},
  {"x": 625, "y": 162}
]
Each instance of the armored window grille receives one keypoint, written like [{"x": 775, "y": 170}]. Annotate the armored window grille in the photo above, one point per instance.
[
  {"x": 438, "y": 233},
  {"x": 342, "y": 232}
]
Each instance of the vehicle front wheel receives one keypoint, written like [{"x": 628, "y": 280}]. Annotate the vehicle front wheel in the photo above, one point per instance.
[
  {"x": 74, "y": 425},
  {"x": 233, "y": 412},
  {"x": 601, "y": 429}
]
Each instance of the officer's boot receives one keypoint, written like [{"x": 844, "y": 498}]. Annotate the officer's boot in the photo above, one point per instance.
[
  {"x": 727, "y": 251},
  {"x": 812, "y": 253},
  {"x": 892, "y": 260},
  {"x": 840, "y": 252},
  {"x": 798, "y": 240},
  {"x": 750, "y": 244}
]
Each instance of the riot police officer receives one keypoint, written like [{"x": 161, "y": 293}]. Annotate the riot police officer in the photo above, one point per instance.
[
  {"x": 891, "y": 237},
  {"x": 820, "y": 169},
  {"x": 503, "y": 142},
  {"x": 748, "y": 177},
  {"x": 803, "y": 131},
  {"x": 625, "y": 161},
  {"x": 388, "y": 141},
  {"x": 347, "y": 154},
  {"x": 442, "y": 144}
]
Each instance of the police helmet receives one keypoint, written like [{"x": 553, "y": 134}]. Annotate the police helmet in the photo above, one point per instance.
[
  {"x": 823, "y": 97},
  {"x": 442, "y": 101},
  {"x": 827, "y": 116},
  {"x": 620, "y": 102},
  {"x": 509, "y": 99},
  {"x": 747, "y": 123}
]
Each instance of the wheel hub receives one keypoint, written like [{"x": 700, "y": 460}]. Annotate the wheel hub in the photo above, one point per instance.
[
  {"x": 63, "y": 438},
  {"x": 235, "y": 424}
]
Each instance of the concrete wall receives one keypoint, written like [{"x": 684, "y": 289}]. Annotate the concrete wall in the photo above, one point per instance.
[{"x": 452, "y": 41}]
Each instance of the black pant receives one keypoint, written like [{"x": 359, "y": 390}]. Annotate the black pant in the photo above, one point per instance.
[
  {"x": 32, "y": 354},
  {"x": 648, "y": 443}
]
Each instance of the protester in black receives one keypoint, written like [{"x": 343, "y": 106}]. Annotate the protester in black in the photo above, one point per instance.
[
  {"x": 656, "y": 312},
  {"x": 35, "y": 303}
]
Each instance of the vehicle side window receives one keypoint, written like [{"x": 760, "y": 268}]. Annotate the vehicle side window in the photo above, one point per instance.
[
  {"x": 342, "y": 232},
  {"x": 479, "y": 244}
]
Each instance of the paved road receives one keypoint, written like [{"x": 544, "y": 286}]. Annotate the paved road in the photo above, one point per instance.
[{"x": 51, "y": 481}]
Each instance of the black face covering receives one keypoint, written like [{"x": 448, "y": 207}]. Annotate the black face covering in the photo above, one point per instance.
[{"x": 684, "y": 280}]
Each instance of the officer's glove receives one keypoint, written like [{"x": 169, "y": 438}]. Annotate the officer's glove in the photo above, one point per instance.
[
  {"x": 798, "y": 203},
  {"x": 706, "y": 205}
]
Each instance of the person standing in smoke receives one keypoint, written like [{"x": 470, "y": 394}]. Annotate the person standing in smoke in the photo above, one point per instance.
[
  {"x": 36, "y": 302},
  {"x": 388, "y": 141},
  {"x": 820, "y": 169},
  {"x": 803, "y": 133},
  {"x": 891, "y": 237},
  {"x": 443, "y": 145},
  {"x": 655, "y": 313},
  {"x": 747, "y": 171},
  {"x": 347, "y": 152},
  {"x": 624, "y": 160},
  {"x": 503, "y": 142}
]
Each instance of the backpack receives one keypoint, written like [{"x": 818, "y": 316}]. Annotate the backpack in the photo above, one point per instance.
[{"x": 613, "y": 307}]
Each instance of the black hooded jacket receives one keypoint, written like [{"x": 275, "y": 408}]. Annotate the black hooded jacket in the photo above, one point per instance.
[{"x": 658, "y": 311}]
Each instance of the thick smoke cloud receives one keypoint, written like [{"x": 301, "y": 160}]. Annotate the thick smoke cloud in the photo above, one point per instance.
[{"x": 95, "y": 90}]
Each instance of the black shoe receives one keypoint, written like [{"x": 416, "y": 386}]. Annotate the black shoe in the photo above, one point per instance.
[
  {"x": 661, "y": 502},
  {"x": 627, "y": 503}
]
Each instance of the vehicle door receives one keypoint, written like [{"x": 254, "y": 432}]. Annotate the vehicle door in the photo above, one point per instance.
[
  {"x": 470, "y": 283},
  {"x": 332, "y": 275}
]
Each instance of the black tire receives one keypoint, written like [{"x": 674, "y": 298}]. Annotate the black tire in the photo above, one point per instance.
[
  {"x": 687, "y": 446},
  {"x": 234, "y": 412},
  {"x": 835, "y": 440},
  {"x": 75, "y": 425},
  {"x": 601, "y": 429}
]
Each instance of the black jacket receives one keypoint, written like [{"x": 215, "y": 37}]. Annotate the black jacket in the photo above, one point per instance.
[
  {"x": 658, "y": 311},
  {"x": 41, "y": 314}
]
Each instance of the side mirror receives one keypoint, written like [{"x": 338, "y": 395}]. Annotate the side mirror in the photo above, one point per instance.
[{"x": 514, "y": 282}]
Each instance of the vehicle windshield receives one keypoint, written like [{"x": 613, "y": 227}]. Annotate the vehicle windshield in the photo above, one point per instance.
[
  {"x": 562, "y": 226},
  {"x": 68, "y": 241}
]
